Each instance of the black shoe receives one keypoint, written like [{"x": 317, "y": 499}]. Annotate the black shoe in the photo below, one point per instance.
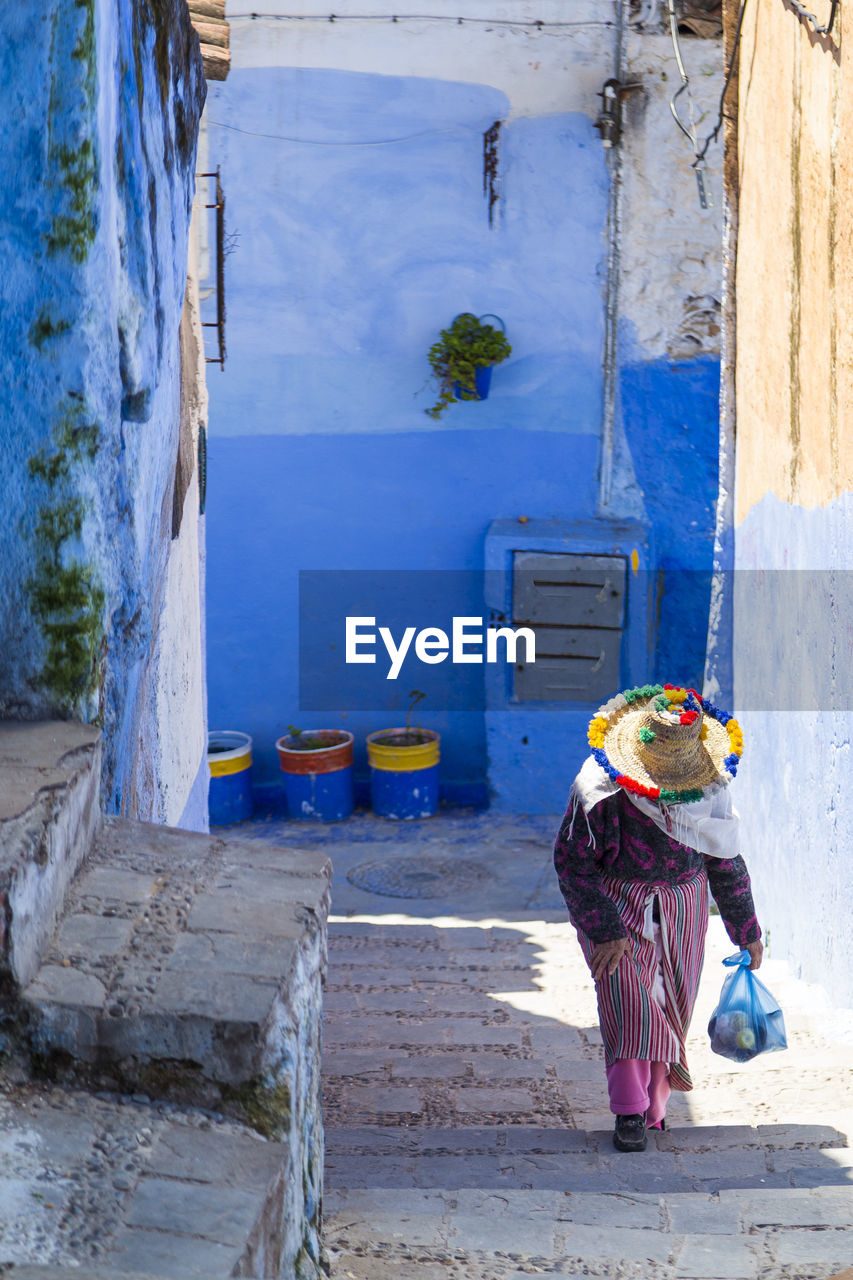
[{"x": 630, "y": 1133}]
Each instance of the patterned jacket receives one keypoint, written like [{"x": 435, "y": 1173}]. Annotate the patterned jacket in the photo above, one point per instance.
[{"x": 615, "y": 837}]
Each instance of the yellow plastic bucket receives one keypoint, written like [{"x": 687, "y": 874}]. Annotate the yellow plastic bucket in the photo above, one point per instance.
[{"x": 403, "y": 779}]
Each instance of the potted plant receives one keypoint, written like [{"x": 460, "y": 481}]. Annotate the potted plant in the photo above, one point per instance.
[
  {"x": 404, "y": 769},
  {"x": 463, "y": 357},
  {"x": 317, "y": 768}
]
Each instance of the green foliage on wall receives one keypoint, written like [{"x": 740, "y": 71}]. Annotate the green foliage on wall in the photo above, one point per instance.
[
  {"x": 66, "y": 597},
  {"x": 265, "y": 1104},
  {"x": 75, "y": 229},
  {"x": 45, "y": 327},
  {"x": 74, "y": 164}
]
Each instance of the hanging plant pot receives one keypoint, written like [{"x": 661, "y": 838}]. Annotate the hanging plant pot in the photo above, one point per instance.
[
  {"x": 404, "y": 772},
  {"x": 463, "y": 358},
  {"x": 482, "y": 381},
  {"x": 229, "y": 758},
  {"x": 317, "y": 769}
]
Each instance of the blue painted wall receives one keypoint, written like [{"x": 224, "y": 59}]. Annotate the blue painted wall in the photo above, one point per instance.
[
  {"x": 348, "y": 502},
  {"x": 792, "y": 605},
  {"x": 362, "y": 230},
  {"x": 670, "y": 412}
]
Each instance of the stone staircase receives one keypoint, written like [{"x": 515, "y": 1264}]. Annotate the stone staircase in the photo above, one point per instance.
[
  {"x": 161, "y": 996},
  {"x": 467, "y": 1135}
]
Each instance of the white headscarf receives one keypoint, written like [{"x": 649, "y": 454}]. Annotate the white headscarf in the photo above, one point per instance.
[{"x": 710, "y": 825}]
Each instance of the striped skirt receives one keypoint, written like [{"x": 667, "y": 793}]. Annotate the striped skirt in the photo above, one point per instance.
[{"x": 633, "y": 1024}]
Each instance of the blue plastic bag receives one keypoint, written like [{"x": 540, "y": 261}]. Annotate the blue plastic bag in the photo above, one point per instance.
[{"x": 747, "y": 1021}]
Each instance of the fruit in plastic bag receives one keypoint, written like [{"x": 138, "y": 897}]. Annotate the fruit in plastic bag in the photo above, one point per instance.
[
  {"x": 747, "y": 1021},
  {"x": 732, "y": 1036}
]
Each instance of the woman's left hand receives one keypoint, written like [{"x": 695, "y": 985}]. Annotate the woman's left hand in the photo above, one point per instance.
[
  {"x": 606, "y": 957},
  {"x": 756, "y": 952}
]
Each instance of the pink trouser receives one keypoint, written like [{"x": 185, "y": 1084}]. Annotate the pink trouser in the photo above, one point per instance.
[{"x": 639, "y": 1087}]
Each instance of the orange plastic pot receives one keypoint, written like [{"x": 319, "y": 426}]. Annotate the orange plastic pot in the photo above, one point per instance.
[{"x": 318, "y": 782}]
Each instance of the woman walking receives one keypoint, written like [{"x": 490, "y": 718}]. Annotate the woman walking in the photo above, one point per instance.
[{"x": 648, "y": 830}]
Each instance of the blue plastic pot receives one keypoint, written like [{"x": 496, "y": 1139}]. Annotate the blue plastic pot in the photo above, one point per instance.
[
  {"x": 229, "y": 758},
  {"x": 482, "y": 381}
]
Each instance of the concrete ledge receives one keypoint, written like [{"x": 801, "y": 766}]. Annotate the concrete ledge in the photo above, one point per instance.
[{"x": 49, "y": 813}]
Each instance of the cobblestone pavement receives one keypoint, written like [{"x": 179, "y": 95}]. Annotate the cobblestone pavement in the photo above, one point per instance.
[{"x": 468, "y": 1135}]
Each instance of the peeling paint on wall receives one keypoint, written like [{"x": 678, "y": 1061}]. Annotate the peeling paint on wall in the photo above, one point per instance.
[{"x": 671, "y": 248}]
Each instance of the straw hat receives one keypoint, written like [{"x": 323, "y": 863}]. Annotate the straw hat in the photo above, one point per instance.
[{"x": 666, "y": 742}]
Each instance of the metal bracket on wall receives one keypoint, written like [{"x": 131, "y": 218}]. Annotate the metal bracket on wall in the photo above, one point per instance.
[
  {"x": 491, "y": 175},
  {"x": 202, "y": 469},
  {"x": 609, "y": 122},
  {"x": 219, "y": 322},
  {"x": 802, "y": 12}
]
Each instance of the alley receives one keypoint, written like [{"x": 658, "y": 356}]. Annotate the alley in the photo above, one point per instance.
[{"x": 467, "y": 1131}]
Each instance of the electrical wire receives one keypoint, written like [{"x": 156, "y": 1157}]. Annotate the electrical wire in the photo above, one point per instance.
[
  {"x": 322, "y": 142},
  {"x": 715, "y": 132},
  {"x": 689, "y": 129},
  {"x": 419, "y": 17}
]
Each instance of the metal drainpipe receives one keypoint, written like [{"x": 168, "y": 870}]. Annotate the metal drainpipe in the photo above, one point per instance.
[
  {"x": 611, "y": 302},
  {"x": 719, "y": 657}
]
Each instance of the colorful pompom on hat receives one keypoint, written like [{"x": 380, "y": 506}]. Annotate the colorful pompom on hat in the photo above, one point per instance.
[{"x": 666, "y": 743}]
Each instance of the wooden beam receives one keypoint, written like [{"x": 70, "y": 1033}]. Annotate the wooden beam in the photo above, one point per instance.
[
  {"x": 208, "y": 8},
  {"x": 217, "y": 62},
  {"x": 213, "y": 33}
]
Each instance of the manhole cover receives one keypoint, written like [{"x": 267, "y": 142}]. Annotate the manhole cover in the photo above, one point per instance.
[{"x": 417, "y": 877}]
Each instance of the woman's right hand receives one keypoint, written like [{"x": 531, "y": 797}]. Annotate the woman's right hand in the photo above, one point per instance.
[{"x": 606, "y": 957}]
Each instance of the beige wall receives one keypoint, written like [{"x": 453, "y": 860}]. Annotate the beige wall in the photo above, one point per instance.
[
  {"x": 791, "y": 595},
  {"x": 794, "y": 367}
]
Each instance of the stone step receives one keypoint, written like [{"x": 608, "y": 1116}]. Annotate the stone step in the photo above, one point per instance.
[
  {"x": 27, "y": 1272},
  {"x": 97, "y": 1187},
  {"x": 186, "y": 967},
  {"x": 699, "y": 1160},
  {"x": 537, "y": 1140},
  {"x": 507, "y": 1234},
  {"x": 49, "y": 787}
]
